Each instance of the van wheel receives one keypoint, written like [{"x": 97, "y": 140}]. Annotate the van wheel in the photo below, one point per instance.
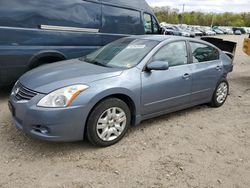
[
  {"x": 220, "y": 93},
  {"x": 108, "y": 122}
]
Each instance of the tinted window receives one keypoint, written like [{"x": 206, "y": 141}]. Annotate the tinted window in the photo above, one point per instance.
[
  {"x": 121, "y": 20},
  {"x": 174, "y": 53},
  {"x": 155, "y": 26},
  {"x": 148, "y": 24},
  {"x": 203, "y": 53},
  {"x": 123, "y": 53}
]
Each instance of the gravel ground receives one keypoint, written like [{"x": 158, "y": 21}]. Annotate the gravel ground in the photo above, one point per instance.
[{"x": 197, "y": 147}]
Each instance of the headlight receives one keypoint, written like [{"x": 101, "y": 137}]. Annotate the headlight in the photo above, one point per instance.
[{"x": 62, "y": 97}]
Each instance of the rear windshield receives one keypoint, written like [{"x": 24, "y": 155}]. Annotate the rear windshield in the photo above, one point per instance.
[{"x": 123, "y": 53}]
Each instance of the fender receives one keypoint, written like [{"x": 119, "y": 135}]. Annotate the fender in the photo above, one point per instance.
[{"x": 118, "y": 91}]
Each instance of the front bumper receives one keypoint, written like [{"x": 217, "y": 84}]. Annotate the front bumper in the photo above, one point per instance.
[{"x": 50, "y": 124}]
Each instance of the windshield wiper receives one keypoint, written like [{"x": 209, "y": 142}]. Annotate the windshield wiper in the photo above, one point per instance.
[
  {"x": 95, "y": 62},
  {"x": 98, "y": 63}
]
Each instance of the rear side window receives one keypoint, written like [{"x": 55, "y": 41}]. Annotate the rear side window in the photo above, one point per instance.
[
  {"x": 174, "y": 53},
  {"x": 202, "y": 52},
  {"x": 150, "y": 24}
]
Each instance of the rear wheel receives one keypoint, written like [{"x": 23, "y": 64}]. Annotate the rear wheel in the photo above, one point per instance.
[
  {"x": 220, "y": 93},
  {"x": 108, "y": 122}
]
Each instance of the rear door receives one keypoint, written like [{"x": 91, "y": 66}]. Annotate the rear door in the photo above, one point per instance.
[{"x": 207, "y": 70}]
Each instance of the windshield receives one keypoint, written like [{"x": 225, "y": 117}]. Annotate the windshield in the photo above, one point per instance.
[{"x": 123, "y": 53}]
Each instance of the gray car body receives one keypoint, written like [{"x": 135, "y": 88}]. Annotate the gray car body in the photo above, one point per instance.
[{"x": 148, "y": 93}]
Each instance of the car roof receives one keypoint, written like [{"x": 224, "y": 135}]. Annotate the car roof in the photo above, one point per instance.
[{"x": 161, "y": 38}]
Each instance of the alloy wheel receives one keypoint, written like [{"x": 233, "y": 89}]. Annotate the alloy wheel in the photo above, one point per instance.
[
  {"x": 222, "y": 92},
  {"x": 111, "y": 124}
]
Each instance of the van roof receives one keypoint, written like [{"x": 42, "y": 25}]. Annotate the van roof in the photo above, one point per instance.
[{"x": 134, "y": 4}]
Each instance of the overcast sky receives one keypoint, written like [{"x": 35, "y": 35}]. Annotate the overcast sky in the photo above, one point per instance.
[{"x": 205, "y": 5}]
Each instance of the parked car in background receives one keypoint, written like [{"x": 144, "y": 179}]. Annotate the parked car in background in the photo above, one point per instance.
[
  {"x": 197, "y": 32},
  {"x": 123, "y": 83},
  {"x": 218, "y": 31},
  {"x": 247, "y": 29},
  {"x": 237, "y": 32},
  {"x": 242, "y": 30},
  {"x": 184, "y": 32},
  {"x": 207, "y": 31},
  {"x": 193, "y": 30},
  {"x": 226, "y": 30},
  {"x": 169, "y": 30},
  {"x": 34, "y": 32}
]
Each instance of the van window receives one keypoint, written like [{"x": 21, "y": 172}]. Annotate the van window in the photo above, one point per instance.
[
  {"x": 120, "y": 20},
  {"x": 202, "y": 53},
  {"x": 147, "y": 24},
  {"x": 150, "y": 24},
  {"x": 174, "y": 53},
  {"x": 155, "y": 26}
]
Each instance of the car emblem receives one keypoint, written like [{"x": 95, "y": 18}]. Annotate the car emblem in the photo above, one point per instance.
[{"x": 17, "y": 90}]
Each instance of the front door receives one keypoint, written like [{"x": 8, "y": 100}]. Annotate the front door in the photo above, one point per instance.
[{"x": 165, "y": 90}]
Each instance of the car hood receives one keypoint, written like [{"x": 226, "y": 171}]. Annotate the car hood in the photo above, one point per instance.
[{"x": 48, "y": 78}]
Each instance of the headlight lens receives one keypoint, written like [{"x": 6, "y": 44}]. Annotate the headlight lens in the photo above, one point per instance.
[{"x": 62, "y": 97}]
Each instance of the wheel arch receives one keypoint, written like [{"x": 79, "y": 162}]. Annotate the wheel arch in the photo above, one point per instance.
[
  {"x": 125, "y": 98},
  {"x": 122, "y": 96},
  {"x": 45, "y": 56}
]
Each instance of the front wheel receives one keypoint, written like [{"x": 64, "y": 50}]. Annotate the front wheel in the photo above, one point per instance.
[
  {"x": 108, "y": 122},
  {"x": 220, "y": 94}
]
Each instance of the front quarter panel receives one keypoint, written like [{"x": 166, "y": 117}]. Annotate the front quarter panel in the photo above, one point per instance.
[{"x": 128, "y": 83}]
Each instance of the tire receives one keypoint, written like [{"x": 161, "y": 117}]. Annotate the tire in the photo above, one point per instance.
[
  {"x": 108, "y": 122},
  {"x": 220, "y": 94}
]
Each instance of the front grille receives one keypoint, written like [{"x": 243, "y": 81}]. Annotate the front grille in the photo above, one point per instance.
[{"x": 23, "y": 94}]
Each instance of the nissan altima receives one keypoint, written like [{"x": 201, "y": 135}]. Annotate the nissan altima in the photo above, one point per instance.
[{"x": 123, "y": 83}]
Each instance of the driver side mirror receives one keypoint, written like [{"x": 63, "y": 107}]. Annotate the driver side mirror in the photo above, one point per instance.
[{"x": 158, "y": 65}]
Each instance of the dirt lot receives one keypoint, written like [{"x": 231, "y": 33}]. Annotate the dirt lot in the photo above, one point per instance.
[{"x": 197, "y": 147}]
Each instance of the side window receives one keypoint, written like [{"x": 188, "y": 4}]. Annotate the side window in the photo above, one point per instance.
[
  {"x": 203, "y": 53},
  {"x": 150, "y": 24},
  {"x": 156, "y": 28},
  {"x": 174, "y": 53},
  {"x": 147, "y": 24},
  {"x": 120, "y": 20}
]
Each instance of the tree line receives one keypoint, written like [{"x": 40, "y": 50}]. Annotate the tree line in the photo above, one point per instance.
[{"x": 173, "y": 16}]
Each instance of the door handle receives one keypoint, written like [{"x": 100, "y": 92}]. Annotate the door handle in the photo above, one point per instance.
[
  {"x": 186, "y": 76},
  {"x": 218, "y": 68}
]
